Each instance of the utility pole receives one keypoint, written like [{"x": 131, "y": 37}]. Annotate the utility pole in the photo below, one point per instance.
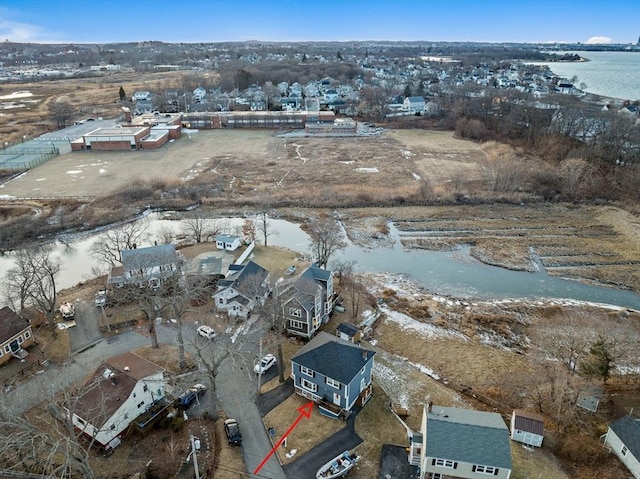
[
  {"x": 195, "y": 446},
  {"x": 259, "y": 364}
]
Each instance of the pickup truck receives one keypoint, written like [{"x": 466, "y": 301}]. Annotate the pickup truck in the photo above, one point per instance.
[{"x": 186, "y": 398}]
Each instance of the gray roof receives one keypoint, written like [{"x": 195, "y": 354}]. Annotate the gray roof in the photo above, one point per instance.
[
  {"x": 348, "y": 329},
  {"x": 316, "y": 273},
  {"x": 628, "y": 430},
  {"x": 227, "y": 238},
  {"x": 333, "y": 357},
  {"x": 150, "y": 256},
  {"x": 465, "y": 435}
]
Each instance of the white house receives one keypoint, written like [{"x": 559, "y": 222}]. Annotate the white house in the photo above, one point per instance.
[
  {"x": 146, "y": 266},
  {"x": 141, "y": 95},
  {"x": 120, "y": 390},
  {"x": 199, "y": 93},
  {"x": 414, "y": 104},
  {"x": 623, "y": 439},
  {"x": 244, "y": 287},
  {"x": 228, "y": 242},
  {"x": 527, "y": 427}
]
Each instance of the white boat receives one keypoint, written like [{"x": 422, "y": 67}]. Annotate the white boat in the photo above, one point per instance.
[{"x": 339, "y": 466}]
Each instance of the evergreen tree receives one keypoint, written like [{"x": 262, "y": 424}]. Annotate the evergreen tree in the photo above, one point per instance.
[
  {"x": 339, "y": 56},
  {"x": 407, "y": 91},
  {"x": 123, "y": 95}
]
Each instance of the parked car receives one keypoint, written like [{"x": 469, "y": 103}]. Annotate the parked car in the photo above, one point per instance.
[
  {"x": 265, "y": 364},
  {"x": 187, "y": 398},
  {"x": 206, "y": 332},
  {"x": 232, "y": 430},
  {"x": 101, "y": 298}
]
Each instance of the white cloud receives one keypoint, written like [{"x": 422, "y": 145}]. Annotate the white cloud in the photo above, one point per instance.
[{"x": 597, "y": 40}]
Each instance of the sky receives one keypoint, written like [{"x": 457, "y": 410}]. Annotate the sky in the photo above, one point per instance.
[{"x": 195, "y": 21}]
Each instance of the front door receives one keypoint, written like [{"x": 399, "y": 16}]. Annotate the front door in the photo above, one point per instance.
[{"x": 336, "y": 399}]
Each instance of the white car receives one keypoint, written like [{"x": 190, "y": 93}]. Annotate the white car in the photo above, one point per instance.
[
  {"x": 265, "y": 364},
  {"x": 206, "y": 332}
]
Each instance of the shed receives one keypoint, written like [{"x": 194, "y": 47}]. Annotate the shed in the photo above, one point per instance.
[
  {"x": 348, "y": 332},
  {"x": 527, "y": 427}
]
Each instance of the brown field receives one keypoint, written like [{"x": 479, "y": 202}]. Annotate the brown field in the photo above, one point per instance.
[{"x": 250, "y": 161}]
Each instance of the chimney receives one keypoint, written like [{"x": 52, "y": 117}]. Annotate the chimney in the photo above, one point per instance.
[
  {"x": 430, "y": 406},
  {"x": 364, "y": 354}
]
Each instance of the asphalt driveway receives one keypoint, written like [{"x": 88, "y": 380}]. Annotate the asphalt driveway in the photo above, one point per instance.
[{"x": 343, "y": 440}]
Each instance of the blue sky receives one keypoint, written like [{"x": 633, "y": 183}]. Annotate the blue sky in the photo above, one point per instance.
[{"x": 105, "y": 21}]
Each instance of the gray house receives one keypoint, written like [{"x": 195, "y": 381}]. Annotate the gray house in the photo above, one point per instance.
[
  {"x": 461, "y": 443},
  {"x": 623, "y": 438},
  {"x": 527, "y": 427},
  {"x": 334, "y": 373},
  {"x": 244, "y": 287},
  {"x": 307, "y": 303},
  {"x": 148, "y": 266}
]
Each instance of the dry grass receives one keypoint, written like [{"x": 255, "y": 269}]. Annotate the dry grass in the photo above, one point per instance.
[
  {"x": 539, "y": 463},
  {"x": 376, "y": 425},
  {"x": 307, "y": 434}
]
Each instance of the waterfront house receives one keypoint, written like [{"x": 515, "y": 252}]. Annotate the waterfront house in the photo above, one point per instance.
[
  {"x": 307, "y": 303},
  {"x": 461, "y": 443},
  {"x": 149, "y": 266},
  {"x": 623, "y": 439},
  {"x": 334, "y": 373},
  {"x": 228, "y": 242},
  {"x": 243, "y": 288}
]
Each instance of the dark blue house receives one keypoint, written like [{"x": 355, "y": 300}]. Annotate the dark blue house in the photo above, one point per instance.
[{"x": 334, "y": 373}]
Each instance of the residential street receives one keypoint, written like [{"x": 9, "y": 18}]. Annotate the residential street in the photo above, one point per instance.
[{"x": 236, "y": 388}]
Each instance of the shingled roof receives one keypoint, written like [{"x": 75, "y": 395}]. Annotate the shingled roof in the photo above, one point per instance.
[
  {"x": 333, "y": 357},
  {"x": 628, "y": 431},
  {"x": 10, "y": 324},
  {"x": 465, "y": 435}
]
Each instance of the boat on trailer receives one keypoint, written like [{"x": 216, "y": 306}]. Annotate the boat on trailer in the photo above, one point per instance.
[{"x": 339, "y": 466}]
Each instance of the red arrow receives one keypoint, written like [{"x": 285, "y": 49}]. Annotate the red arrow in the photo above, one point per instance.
[{"x": 305, "y": 411}]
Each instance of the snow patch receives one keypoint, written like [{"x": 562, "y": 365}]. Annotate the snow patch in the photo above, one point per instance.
[
  {"x": 74, "y": 172},
  {"x": 426, "y": 330},
  {"x": 416, "y": 176},
  {"x": 368, "y": 170}
]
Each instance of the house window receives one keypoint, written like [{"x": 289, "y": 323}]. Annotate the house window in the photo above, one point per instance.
[
  {"x": 333, "y": 383},
  {"x": 445, "y": 463},
  {"x": 126, "y": 415},
  {"x": 112, "y": 427},
  {"x": 134, "y": 394},
  {"x": 485, "y": 469},
  {"x": 307, "y": 371},
  {"x": 81, "y": 421},
  {"x": 296, "y": 324},
  {"x": 27, "y": 334},
  {"x": 140, "y": 404},
  {"x": 145, "y": 388},
  {"x": 624, "y": 450},
  {"x": 1, "y": 353},
  {"x": 308, "y": 385},
  {"x": 20, "y": 340},
  {"x": 7, "y": 349},
  {"x": 295, "y": 312}
]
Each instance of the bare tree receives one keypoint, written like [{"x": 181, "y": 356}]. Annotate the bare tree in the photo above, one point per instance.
[
  {"x": 108, "y": 249},
  {"x": 32, "y": 282},
  {"x": 200, "y": 228},
  {"x": 61, "y": 111},
  {"x": 263, "y": 226},
  {"x": 566, "y": 337},
  {"x": 44, "y": 442},
  {"x": 326, "y": 239}
]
